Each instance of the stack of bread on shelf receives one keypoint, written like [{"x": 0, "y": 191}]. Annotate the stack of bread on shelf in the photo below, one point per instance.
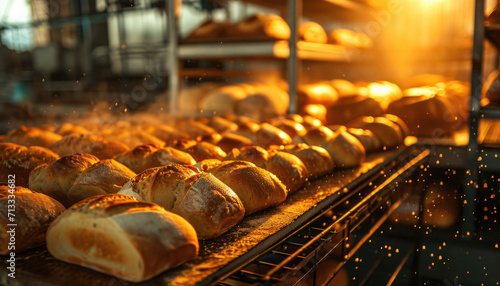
[
  {"x": 189, "y": 179},
  {"x": 272, "y": 27}
]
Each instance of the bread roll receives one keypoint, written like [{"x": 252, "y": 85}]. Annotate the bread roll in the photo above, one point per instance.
[
  {"x": 288, "y": 168},
  {"x": 189, "y": 99},
  {"x": 33, "y": 214},
  {"x": 345, "y": 149},
  {"x": 350, "y": 107},
  {"x": 248, "y": 130},
  {"x": 254, "y": 154},
  {"x": 32, "y": 136},
  {"x": 367, "y": 139},
  {"x": 316, "y": 110},
  {"x": 349, "y": 38},
  {"x": 426, "y": 115},
  {"x": 344, "y": 87},
  {"x": 387, "y": 132},
  {"x": 292, "y": 128},
  {"x": 223, "y": 99},
  {"x": 131, "y": 137},
  {"x": 311, "y": 122},
  {"x": 319, "y": 136},
  {"x": 312, "y": 32},
  {"x": 264, "y": 101},
  {"x": 68, "y": 129},
  {"x": 221, "y": 124},
  {"x": 88, "y": 143},
  {"x": 269, "y": 135},
  {"x": 400, "y": 122},
  {"x": 256, "y": 187},
  {"x": 204, "y": 201},
  {"x": 20, "y": 161},
  {"x": 318, "y": 93},
  {"x": 199, "y": 131},
  {"x": 261, "y": 26},
  {"x": 204, "y": 150},
  {"x": 231, "y": 141},
  {"x": 148, "y": 156},
  {"x": 120, "y": 236},
  {"x": 183, "y": 144},
  {"x": 75, "y": 177},
  {"x": 316, "y": 159},
  {"x": 166, "y": 133}
]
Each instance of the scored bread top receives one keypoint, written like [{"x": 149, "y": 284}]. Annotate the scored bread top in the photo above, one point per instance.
[{"x": 112, "y": 204}]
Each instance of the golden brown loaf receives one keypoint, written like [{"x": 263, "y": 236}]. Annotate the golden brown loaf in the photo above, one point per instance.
[
  {"x": 75, "y": 177},
  {"x": 131, "y": 137},
  {"x": 317, "y": 93},
  {"x": 68, "y": 129},
  {"x": 350, "y": 107},
  {"x": 148, "y": 156},
  {"x": 367, "y": 138},
  {"x": 257, "y": 188},
  {"x": 349, "y": 38},
  {"x": 270, "y": 135},
  {"x": 288, "y": 168},
  {"x": 204, "y": 150},
  {"x": 203, "y": 200},
  {"x": 32, "y": 136},
  {"x": 221, "y": 124},
  {"x": 33, "y": 214},
  {"x": 318, "y": 136},
  {"x": 165, "y": 133},
  {"x": 88, "y": 143},
  {"x": 230, "y": 141},
  {"x": 425, "y": 115},
  {"x": 387, "y": 132},
  {"x": 312, "y": 32},
  {"x": 199, "y": 131},
  {"x": 344, "y": 87},
  {"x": 316, "y": 159},
  {"x": 292, "y": 128},
  {"x": 260, "y": 26},
  {"x": 253, "y": 154},
  {"x": 345, "y": 149},
  {"x": 400, "y": 122},
  {"x": 120, "y": 236},
  {"x": 20, "y": 161}
]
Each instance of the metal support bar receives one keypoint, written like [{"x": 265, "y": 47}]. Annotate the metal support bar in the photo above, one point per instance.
[
  {"x": 468, "y": 224},
  {"x": 172, "y": 61},
  {"x": 294, "y": 12}
]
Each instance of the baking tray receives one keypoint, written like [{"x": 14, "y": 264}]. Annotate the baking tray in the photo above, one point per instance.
[{"x": 219, "y": 256}]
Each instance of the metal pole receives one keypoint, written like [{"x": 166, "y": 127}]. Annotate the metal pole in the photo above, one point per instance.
[
  {"x": 469, "y": 211},
  {"x": 172, "y": 51},
  {"x": 293, "y": 63}
]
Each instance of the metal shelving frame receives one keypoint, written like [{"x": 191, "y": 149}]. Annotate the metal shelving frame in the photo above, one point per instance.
[{"x": 478, "y": 157}]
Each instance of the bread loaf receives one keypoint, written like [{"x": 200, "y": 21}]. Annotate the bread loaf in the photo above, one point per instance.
[
  {"x": 75, "y": 177},
  {"x": 120, "y": 236},
  {"x": 230, "y": 141},
  {"x": 32, "y": 216},
  {"x": 32, "y": 136},
  {"x": 316, "y": 159},
  {"x": 366, "y": 138},
  {"x": 254, "y": 154},
  {"x": 68, "y": 129},
  {"x": 387, "y": 132},
  {"x": 204, "y": 201},
  {"x": 349, "y": 38},
  {"x": 257, "y": 188},
  {"x": 165, "y": 132},
  {"x": 345, "y": 149},
  {"x": 317, "y": 93},
  {"x": 20, "y": 161},
  {"x": 148, "y": 156},
  {"x": 88, "y": 143},
  {"x": 131, "y": 137},
  {"x": 288, "y": 168},
  {"x": 260, "y": 26},
  {"x": 312, "y": 32},
  {"x": 199, "y": 131},
  {"x": 263, "y": 102},
  {"x": 204, "y": 150},
  {"x": 269, "y": 135},
  {"x": 350, "y": 107},
  {"x": 319, "y": 136},
  {"x": 292, "y": 128}
]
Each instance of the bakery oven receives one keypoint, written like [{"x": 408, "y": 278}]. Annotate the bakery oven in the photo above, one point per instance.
[{"x": 249, "y": 142}]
